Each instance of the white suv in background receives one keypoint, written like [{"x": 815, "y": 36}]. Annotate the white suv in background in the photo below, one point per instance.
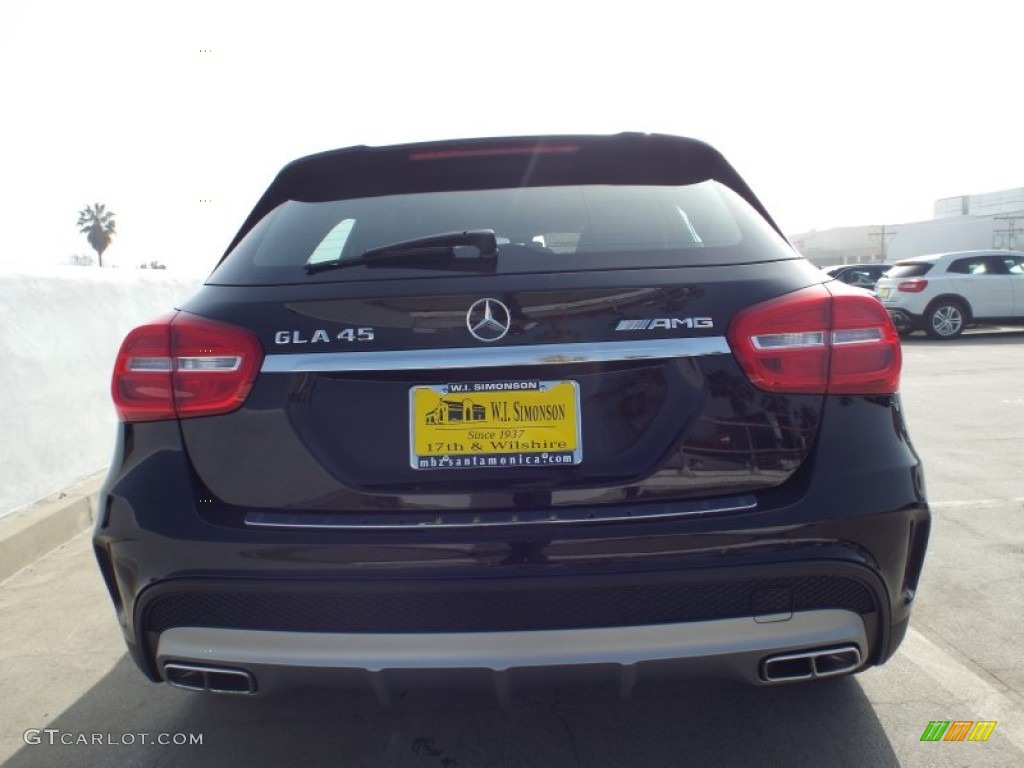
[{"x": 943, "y": 293}]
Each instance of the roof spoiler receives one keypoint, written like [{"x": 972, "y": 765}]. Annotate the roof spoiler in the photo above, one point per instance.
[{"x": 490, "y": 163}]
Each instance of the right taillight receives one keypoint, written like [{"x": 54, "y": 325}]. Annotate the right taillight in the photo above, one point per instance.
[
  {"x": 182, "y": 365},
  {"x": 826, "y": 340},
  {"x": 916, "y": 285}
]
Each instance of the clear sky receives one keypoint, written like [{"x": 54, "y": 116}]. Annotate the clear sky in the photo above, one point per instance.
[{"x": 837, "y": 113}]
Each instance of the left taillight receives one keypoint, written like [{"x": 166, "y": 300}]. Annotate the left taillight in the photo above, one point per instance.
[
  {"x": 917, "y": 285},
  {"x": 182, "y": 365}
]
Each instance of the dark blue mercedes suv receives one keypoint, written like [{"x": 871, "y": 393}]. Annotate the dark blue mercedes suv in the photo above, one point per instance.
[{"x": 501, "y": 405}]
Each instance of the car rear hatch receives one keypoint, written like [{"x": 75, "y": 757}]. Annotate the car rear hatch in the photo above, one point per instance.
[{"x": 625, "y": 344}]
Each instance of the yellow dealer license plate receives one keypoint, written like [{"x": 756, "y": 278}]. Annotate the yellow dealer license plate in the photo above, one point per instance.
[
  {"x": 883, "y": 293},
  {"x": 485, "y": 424}
]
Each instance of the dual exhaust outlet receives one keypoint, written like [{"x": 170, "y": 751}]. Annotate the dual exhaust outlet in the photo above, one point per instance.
[
  {"x": 784, "y": 668},
  {"x": 807, "y": 665},
  {"x": 194, "y": 677}
]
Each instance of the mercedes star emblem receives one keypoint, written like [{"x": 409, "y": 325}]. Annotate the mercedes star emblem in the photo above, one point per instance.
[{"x": 488, "y": 320}]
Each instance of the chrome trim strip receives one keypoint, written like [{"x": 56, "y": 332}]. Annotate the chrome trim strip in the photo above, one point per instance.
[
  {"x": 494, "y": 357},
  {"x": 476, "y": 520},
  {"x": 741, "y": 641}
]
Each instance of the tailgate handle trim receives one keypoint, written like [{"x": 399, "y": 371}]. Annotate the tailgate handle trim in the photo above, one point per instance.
[{"x": 491, "y": 357}]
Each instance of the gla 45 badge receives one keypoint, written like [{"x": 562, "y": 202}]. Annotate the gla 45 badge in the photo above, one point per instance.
[{"x": 320, "y": 336}]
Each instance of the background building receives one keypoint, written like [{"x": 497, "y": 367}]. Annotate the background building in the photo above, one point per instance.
[
  {"x": 986, "y": 204},
  {"x": 962, "y": 223},
  {"x": 840, "y": 245}
]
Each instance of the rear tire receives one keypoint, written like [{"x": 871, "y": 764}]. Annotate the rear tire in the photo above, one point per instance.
[
  {"x": 945, "y": 319},
  {"x": 904, "y": 325}
]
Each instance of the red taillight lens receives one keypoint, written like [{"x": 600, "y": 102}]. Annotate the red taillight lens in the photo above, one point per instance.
[
  {"x": 182, "y": 365},
  {"x": 215, "y": 365},
  {"x": 142, "y": 386},
  {"x": 834, "y": 340},
  {"x": 912, "y": 286}
]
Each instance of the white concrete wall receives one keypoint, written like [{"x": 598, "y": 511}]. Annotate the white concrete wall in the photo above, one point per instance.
[{"x": 60, "y": 329}]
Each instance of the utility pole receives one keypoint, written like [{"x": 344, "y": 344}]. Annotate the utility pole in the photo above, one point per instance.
[
  {"x": 1010, "y": 230},
  {"x": 881, "y": 233}
]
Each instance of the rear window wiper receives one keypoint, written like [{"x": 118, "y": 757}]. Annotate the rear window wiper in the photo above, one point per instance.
[{"x": 473, "y": 244}]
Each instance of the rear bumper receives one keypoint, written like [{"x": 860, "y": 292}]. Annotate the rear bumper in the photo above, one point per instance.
[
  {"x": 723, "y": 619},
  {"x": 728, "y": 648},
  {"x": 847, "y": 535}
]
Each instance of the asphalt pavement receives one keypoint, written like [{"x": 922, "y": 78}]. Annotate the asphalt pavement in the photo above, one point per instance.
[{"x": 64, "y": 676}]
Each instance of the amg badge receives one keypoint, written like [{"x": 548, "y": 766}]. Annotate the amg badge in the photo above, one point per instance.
[{"x": 664, "y": 323}]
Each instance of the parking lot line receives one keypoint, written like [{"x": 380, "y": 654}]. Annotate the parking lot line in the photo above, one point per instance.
[
  {"x": 975, "y": 697},
  {"x": 975, "y": 502}
]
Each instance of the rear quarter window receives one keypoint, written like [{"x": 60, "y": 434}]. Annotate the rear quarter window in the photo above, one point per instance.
[
  {"x": 978, "y": 265},
  {"x": 909, "y": 269}
]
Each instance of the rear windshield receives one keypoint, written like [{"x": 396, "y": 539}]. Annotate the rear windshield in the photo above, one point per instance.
[
  {"x": 539, "y": 229},
  {"x": 909, "y": 269}
]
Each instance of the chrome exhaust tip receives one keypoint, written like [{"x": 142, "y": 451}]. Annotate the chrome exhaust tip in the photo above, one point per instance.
[
  {"x": 195, "y": 677},
  {"x": 837, "y": 661},
  {"x": 808, "y": 665}
]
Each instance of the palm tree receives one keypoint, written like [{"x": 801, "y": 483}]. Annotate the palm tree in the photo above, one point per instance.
[{"x": 98, "y": 226}]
